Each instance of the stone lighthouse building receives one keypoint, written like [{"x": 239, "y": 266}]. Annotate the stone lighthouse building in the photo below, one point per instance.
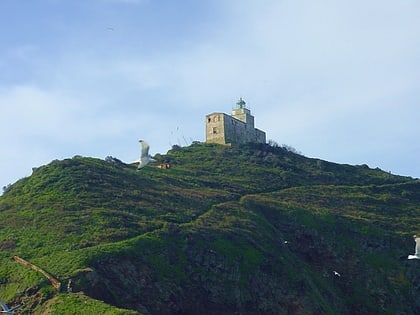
[{"x": 234, "y": 129}]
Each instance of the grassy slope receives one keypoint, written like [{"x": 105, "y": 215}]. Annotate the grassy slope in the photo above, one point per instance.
[{"x": 213, "y": 224}]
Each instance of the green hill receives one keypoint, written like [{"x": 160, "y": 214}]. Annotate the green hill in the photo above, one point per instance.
[{"x": 251, "y": 229}]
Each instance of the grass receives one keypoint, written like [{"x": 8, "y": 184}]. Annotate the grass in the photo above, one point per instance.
[
  {"x": 235, "y": 205},
  {"x": 79, "y": 304}
]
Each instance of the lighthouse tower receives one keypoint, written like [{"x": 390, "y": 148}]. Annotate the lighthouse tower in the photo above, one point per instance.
[{"x": 235, "y": 129}]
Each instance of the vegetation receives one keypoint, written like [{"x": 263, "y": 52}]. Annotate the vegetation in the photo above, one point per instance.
[{"x": 244, "y": 229}]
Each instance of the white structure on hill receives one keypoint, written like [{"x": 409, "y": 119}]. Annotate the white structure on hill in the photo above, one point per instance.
[{"x": 235, "y": 129}]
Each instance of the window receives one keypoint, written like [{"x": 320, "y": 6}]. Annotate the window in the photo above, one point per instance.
[{"x": 214, "y": 130}]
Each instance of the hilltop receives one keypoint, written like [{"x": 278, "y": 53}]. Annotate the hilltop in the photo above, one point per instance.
[{"x": 249, "y": 229}]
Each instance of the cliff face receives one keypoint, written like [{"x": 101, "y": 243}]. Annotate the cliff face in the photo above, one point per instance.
[{"x": 226, "y": 230}]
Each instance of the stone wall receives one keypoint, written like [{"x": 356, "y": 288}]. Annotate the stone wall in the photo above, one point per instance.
[
  {"x": 215, "y": 128},
  {"x": 225, "y": 129}
]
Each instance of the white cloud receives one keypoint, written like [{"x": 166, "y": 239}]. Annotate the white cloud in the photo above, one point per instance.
[
  {"x": 39, "y": 125},
  {"x": 52, "y": 114}
]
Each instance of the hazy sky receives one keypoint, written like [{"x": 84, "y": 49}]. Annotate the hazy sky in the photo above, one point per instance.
[{"x": 337, "y": 80}]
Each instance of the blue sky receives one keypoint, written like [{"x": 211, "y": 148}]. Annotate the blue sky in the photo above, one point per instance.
[{"x": 337, "y": 80}]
